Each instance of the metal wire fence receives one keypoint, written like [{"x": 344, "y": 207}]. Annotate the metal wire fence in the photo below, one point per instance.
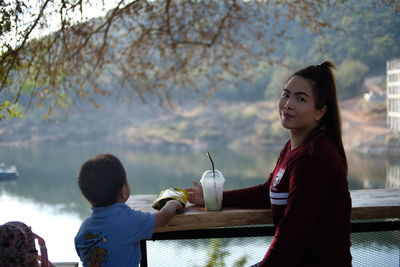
[
  {"x": 376, "y": 249},
  {"x": 369, "y": 249}
]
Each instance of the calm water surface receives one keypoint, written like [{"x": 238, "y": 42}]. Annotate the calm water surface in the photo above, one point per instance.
[{"x": 46, "y": 197}]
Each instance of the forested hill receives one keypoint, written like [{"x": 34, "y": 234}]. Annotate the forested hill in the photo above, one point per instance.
[
  {"x": 214, "y": 125},
  {"x": 360, "y": 47},
  {"x": 242, "y": 113}
]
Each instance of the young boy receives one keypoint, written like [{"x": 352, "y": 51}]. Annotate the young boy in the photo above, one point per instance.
[{"x": 111, "y": 235}]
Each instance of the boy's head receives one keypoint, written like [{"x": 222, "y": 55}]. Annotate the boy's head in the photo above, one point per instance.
[{"x": 101, "y": 179}]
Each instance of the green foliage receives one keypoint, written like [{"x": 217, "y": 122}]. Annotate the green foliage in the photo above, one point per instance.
[
  {"x": 374, "y": 110},
  {"x": 241, "y": 262},
  {"x": 217, "y": 253},
  {"x": 5, "y": 23},
  {"x": 10, "y": 13},
  {"x": 151, "y": 49},
  {"x": 231, "y": 50},
  {"x": 350, "y": 76},
  {"x": 9, "y": 110},
  {"x": 370, "y": 35},
  {"x": 362, "y": 39}
]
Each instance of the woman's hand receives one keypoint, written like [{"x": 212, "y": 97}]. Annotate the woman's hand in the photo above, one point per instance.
[{"x": 196, "y": 194}]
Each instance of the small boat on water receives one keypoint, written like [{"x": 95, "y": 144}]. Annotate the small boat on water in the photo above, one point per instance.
[{"x": 8, "y": 173}]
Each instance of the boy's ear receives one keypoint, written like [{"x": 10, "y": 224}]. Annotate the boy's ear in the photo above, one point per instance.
[
  {"x": 120, "y": 196},
  {"x": 123, "y": 193}
]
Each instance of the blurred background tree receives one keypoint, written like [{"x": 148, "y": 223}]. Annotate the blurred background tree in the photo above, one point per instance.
[
  {"x": 350, "y": 77},
  {"x": 54, "y": 55},
  {"x": 58, "y": 54}
]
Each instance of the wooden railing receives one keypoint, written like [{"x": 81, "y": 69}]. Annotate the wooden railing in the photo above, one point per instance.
[{"x": 196, "y": 223}]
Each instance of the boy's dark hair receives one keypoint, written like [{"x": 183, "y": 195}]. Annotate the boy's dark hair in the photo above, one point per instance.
[{"x": 101, "y": 178}]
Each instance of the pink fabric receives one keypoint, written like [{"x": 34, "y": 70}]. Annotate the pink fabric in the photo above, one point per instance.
[{"x": 17, "y": 246}]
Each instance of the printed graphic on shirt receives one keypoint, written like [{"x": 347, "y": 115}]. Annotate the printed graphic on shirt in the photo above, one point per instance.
[
  {"x": 275, "y": 192},
  {"x": 95, "y": 255},
  {"x": 279, "y": 176}
]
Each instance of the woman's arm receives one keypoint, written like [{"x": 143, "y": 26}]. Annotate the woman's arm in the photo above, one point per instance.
[{"x": 254, "y": 196}]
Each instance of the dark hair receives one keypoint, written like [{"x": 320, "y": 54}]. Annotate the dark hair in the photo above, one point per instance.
[
  {"x": 101, "y": 178},
  {"x": 323, "y": 84}
]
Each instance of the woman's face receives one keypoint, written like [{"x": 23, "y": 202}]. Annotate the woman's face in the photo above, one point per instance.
[{"x": 297, "y": 106}]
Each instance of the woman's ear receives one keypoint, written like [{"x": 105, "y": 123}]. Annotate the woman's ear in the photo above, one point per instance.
[{"x": 321, "y": 112}]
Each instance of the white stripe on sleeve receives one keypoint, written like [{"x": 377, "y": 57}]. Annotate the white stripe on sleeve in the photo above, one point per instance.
[
  {"x": 278, "y": 201},
  {"x": 278, "y": 195}
]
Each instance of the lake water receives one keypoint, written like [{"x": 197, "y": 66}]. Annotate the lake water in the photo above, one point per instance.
[{"x": 46, "y": 197}]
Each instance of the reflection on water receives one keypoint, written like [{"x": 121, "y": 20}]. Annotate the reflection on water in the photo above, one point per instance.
[
  {"x": 46, "y": 196},
  {"x": 393, "y": 177},
  {"x": 366, "y": 172},
  {"x": 393, "y": 173}
]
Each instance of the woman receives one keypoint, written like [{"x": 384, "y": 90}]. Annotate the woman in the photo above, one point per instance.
[{"x": 308, "y": 190}]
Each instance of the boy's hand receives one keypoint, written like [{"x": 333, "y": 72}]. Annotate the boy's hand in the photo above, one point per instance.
[
  {"x": 168, "y": 212},
  {"x": 178, "y": 205}
]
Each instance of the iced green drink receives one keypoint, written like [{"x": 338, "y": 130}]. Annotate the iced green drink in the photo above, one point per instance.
[{"x": 213, "y": 188}]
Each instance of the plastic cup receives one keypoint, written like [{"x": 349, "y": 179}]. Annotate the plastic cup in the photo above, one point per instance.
[{"x": 213, "y": 188}]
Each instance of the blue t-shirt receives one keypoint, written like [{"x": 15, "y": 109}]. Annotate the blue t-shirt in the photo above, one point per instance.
[{"x": 111, "y": 235}]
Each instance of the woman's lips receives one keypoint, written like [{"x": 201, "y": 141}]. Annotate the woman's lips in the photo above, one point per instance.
[{"x": 286, "y": 116}]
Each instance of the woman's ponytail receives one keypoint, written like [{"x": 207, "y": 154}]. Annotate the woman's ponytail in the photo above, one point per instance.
[{"x": 322, "y": 81}]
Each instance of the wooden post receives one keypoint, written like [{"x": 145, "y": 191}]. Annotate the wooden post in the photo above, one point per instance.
[{"x": 143, "y": 250}]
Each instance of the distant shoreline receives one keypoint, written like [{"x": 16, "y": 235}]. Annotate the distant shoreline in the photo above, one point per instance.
[{"x": 225, "y": 125}]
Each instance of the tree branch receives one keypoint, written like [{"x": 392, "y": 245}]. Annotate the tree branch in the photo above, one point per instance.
[{"x": 14, "y": 53}]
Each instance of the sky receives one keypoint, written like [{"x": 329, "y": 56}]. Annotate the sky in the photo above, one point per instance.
[{"x": 90, "y": 9}]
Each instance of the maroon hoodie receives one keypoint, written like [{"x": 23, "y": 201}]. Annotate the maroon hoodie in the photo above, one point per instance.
[{"x": 311, "y": 206}]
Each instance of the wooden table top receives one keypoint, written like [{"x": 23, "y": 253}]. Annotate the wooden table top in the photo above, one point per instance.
[{"x": 366, "y": 204}]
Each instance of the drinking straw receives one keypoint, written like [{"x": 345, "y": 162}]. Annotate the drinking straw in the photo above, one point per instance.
[
  {"x": 212, "y": 163},
  {"x": 215, "y": 185}
]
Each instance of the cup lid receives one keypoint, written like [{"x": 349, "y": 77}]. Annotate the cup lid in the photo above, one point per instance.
[{"x": 207, "y": 175}]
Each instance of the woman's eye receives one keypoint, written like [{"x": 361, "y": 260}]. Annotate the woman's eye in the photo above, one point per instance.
[{"x": 300, "y": 99}]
